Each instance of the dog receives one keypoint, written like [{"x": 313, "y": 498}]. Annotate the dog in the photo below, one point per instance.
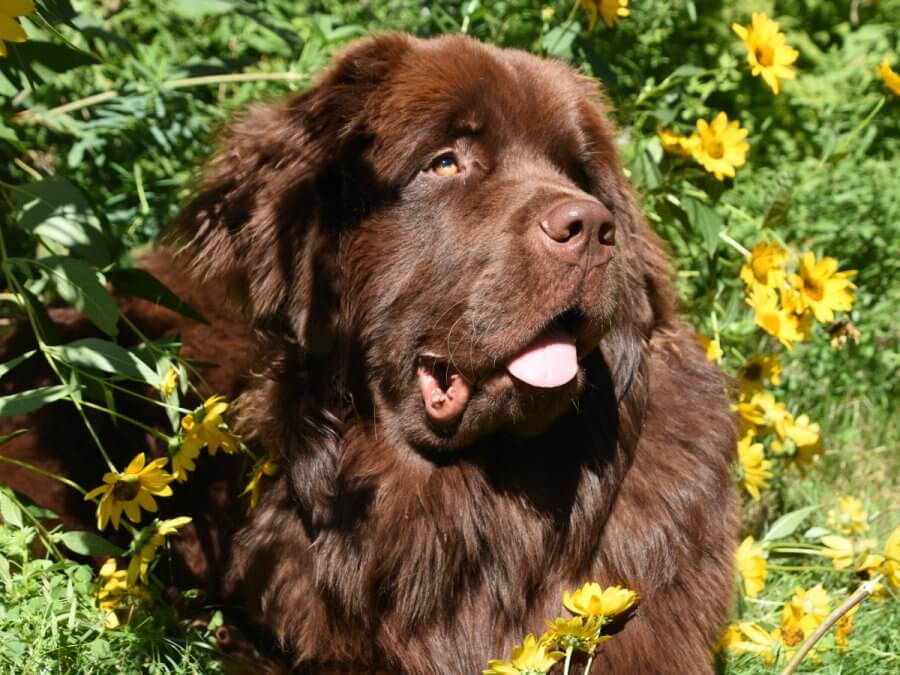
[{"x": 470, "y": 366}]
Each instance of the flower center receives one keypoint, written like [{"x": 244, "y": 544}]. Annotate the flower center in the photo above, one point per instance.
[
  {"x": 125, "y": 491},
  {"x": 715, "y": 149},
  {"x": 813, "y": 288},
  {"x": 764, "y": 55},
  {"x": 753, "y": 372}
]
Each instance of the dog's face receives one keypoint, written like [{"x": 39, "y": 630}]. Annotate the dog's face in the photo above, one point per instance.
[{"x": 445, "y": 219}]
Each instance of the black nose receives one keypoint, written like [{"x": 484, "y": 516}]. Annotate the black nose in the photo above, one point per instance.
[{"x": 571, "y": 226}]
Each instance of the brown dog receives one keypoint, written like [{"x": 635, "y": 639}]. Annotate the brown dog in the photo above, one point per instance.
[
  {"x": 473, "y": 370},
  {"x": 477, "y": 377}
]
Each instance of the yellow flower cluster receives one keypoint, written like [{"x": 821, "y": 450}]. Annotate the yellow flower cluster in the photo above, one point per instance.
[
  {"x": 808, "y": 608},
  {"x": 135, "y": 489},
  {"x": 203, "y": 428},
  {"x": 592, "y": 606},
  {"x": 784, "y": 303},
  {"x": 718, "y": 146},
  {"x": 799, "y": 618},
  {"x": 817, "y": 290}
]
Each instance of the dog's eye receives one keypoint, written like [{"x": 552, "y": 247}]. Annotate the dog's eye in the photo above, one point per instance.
[{"x": 445, "y": 165}]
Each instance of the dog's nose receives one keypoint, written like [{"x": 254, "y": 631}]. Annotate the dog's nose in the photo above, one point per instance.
[{"x": 570, "y": 228}]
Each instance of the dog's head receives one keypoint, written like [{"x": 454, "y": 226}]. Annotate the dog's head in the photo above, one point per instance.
[{"x": 446, "y": 222}]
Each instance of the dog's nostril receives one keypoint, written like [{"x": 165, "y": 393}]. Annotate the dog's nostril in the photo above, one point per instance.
[
  {"x": 607, "y": 234},
  {"x": 575, "y": 229}
]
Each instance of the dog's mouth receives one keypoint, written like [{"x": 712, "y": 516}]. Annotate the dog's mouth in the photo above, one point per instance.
[{"x": 548, "y": 361}]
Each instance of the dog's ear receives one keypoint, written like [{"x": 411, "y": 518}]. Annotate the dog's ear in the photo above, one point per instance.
[{"x": 267, "y": 217}]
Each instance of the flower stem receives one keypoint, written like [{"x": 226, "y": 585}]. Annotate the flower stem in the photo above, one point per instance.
[
  {"x": 43, "y": 472},
  {"x": 587, "y": 666},
  {"x": 568, "y": 660}
]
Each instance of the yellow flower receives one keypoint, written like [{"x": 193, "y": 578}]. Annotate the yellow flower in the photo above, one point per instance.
[
  {"x": 765, "y": 265},
  {"x": 579, "y": 633},
  {"x": 800, "y": 431},
  {"x": 529, "y": 658},
  {"x": 752, "y": 566},
  {"x": 891, "y": 79},
  {"x": 263, "y": 467},
  {"x": 758, "y": 641},
  {"x": 822, "y": 288},
  {"x": 870, "y": 565},
  {"x": 720, "y": 146},
  {"x": 771, "y": 318},
  {"x": 891, "y": 565},
  {"x": 594, "y": 600},
  {"x": 10, "y": 30},
  {"x": 756, "y": 371},
  {"x": 803, "y": 614},
  {"x": 139, "y": 564},
  {"x": 676, "y": 143},
  {"x": 169, "y": 382},
  {"x": 112, "y": 589},
  {"x": 767, "y": 53},
  {"x": 712, "y": 347},
  {"x": 131, "y": 491},
  {"x": 839, "y": 550},
  {"x": 209, "y": 431},
  {"x": 849, "y": 517},
  {"x": 755, "y": 473},
  {"x": 610, "y": 10},
  {"x": 844, "y": 626},
  {"x": 762, "y": 410},
  {"x": 183, "y": 460}
]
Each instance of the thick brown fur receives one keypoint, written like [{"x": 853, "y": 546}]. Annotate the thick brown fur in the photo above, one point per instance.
[
  {"x": 393, "y": 544},
  {"x": 390, "y": 545}
]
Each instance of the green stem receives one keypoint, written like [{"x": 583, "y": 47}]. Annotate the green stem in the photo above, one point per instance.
[
  {"x": 126, "y": 390},
  {"x": 150, "y": 430},
  {"x": 43, "y": 472},
  {"x": 568, "y": 660},
  {"x": 587, "y": 666},
  {"x": 565, "y": 29},
  {"x": 231, "y": 78},
  {"x": 14, "y": 285}
]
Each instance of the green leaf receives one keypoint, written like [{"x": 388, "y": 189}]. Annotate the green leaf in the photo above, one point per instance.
[
  {"x": 705, "y": 220},
  {"x": 780, "y": 204},
  {"x": 88, "y": 543},
  {"x": 84, "y": 289},
  {"x": 45, "y": 325},
  {"x": 788, "y": 523},
  {"x": 141, "y": 284},
  {"x": 55, "y": 210},
  {"x": 816, "y": 533},
  {"x": 12, "y": 363},
  {"x": 25, "y": 402},
  {"x": 48, "y": 58},
  {"x": 645, "y": 171},
  {"x": 197, "y": 9},
  {"x": 10, "y": 511},
  {"x": 108, "y": 357}
]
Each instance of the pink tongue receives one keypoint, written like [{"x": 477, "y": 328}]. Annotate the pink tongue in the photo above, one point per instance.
[{"x": 550, "y": 361}]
